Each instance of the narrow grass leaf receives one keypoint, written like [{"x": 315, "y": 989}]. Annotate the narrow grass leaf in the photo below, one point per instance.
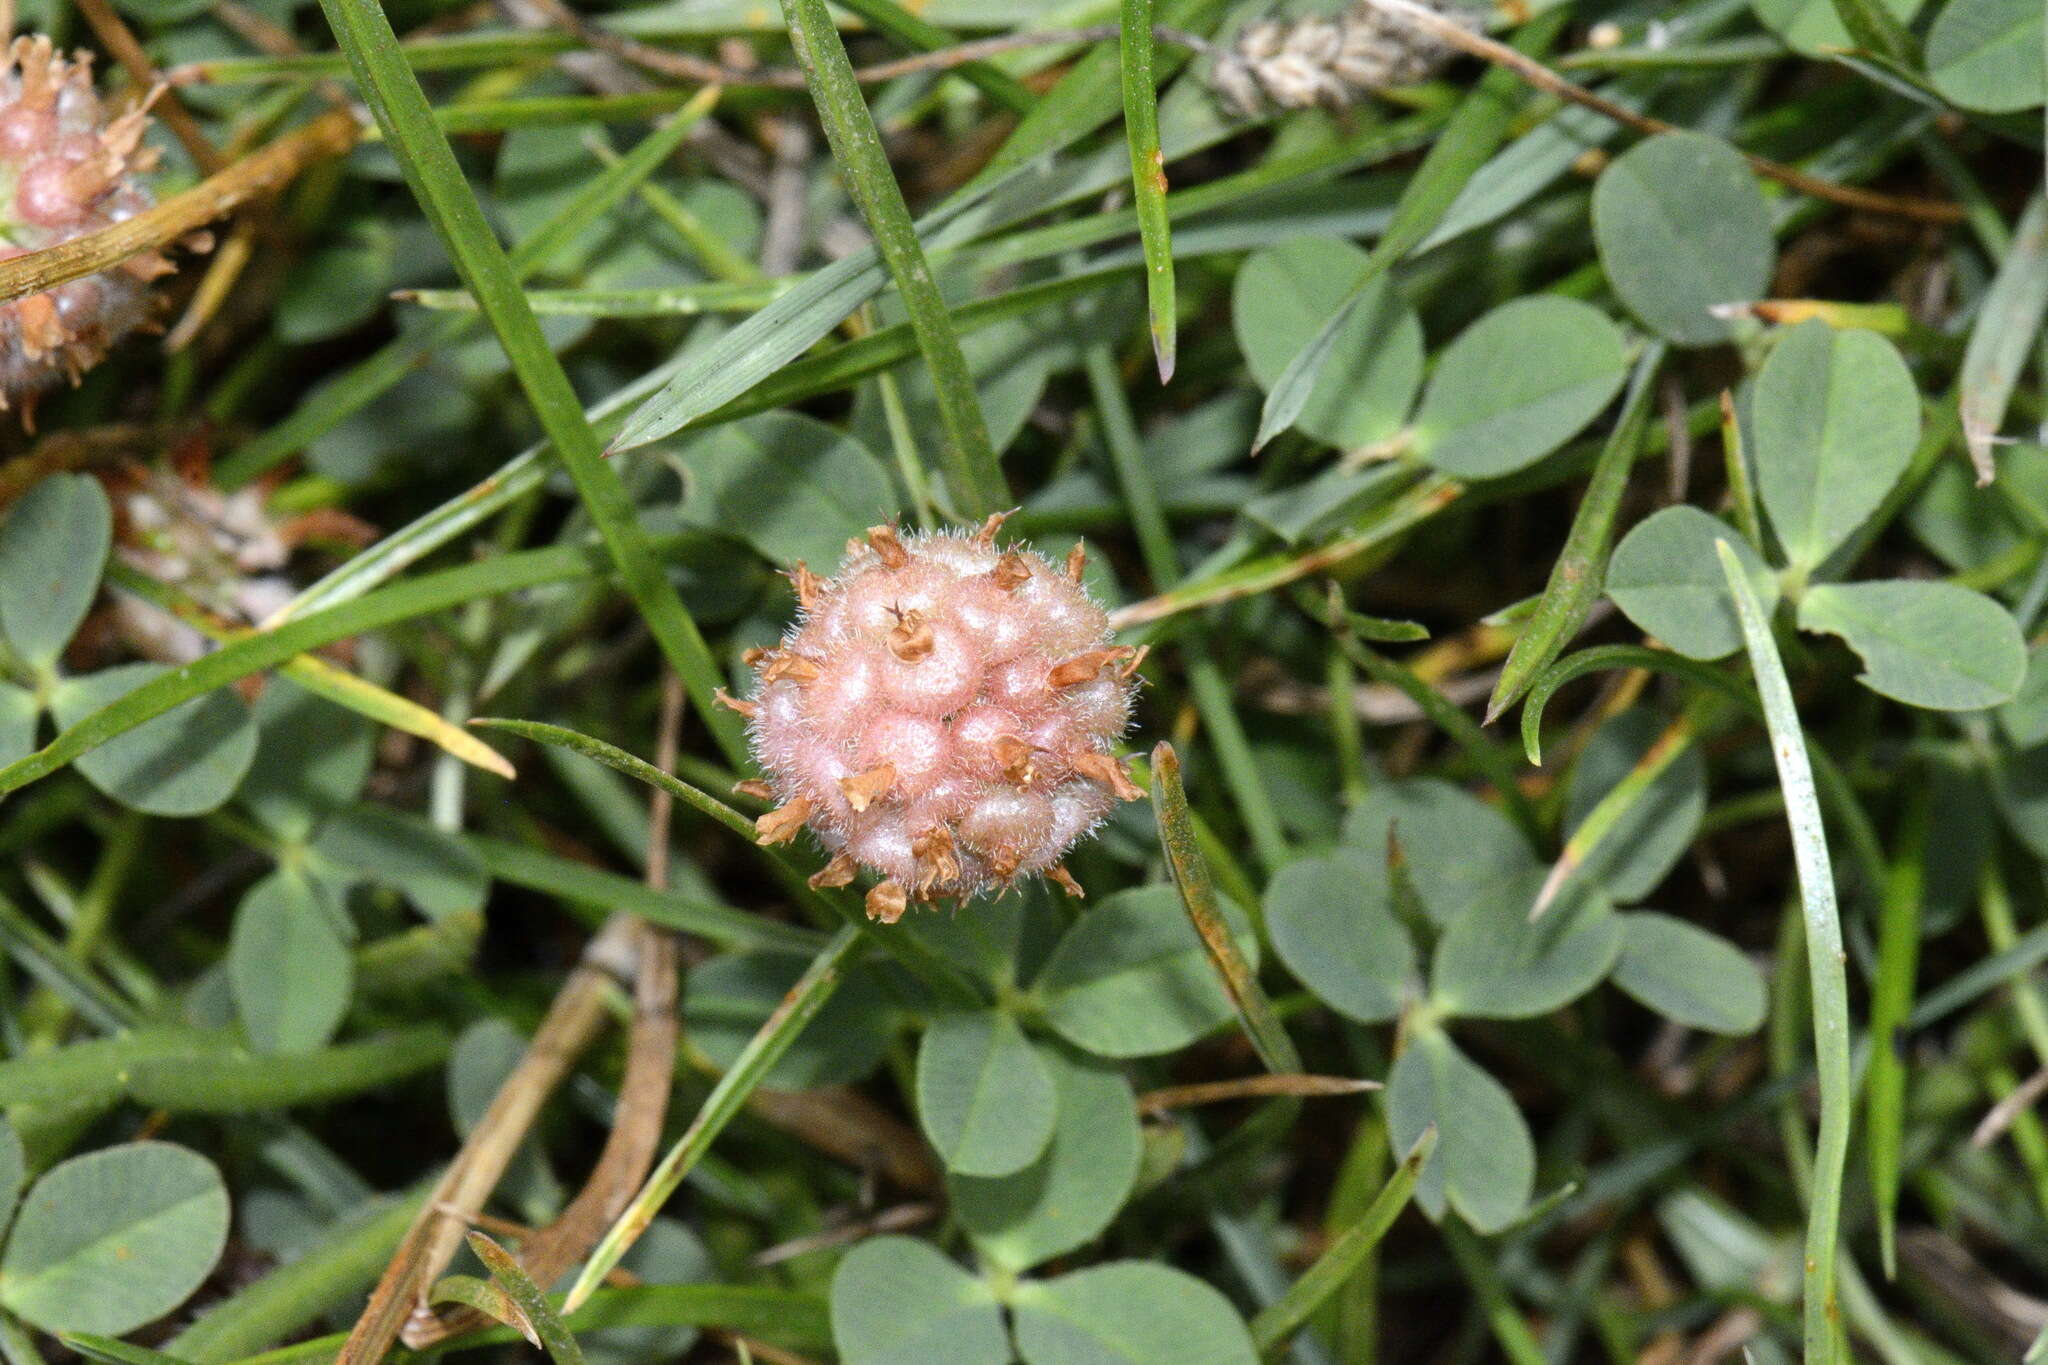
[
  {"x": 1466, "y": 143},
  {"x": 423, "y": 153},
  {"x": 547, "y": 1324},
  {"x": 1087, "y": 96},
  {"x": 974, "y": 478},
  {"x": 1829, "y": 981},
  {"x": 300, "y": 1292},
  {"x": 1148, "y": 176},
  {"x": 422, "y": 596},
  {"x": 115, "y": 1352},
  {"x": 916, "y": 956},
  {"x": 1283, "y": 1318},
  {"x": 797, "y": 1009},
  {"x": 1580, "y": 571},
  {"x": 2008, "y": 321},
  {"x": 326, "y": 407},
  {"x": 550, "y": 874},
  {"x": 1891, "y": 1002},
  {"x": 886, "y": 16},
  {"x": 1190, "y": 871}
]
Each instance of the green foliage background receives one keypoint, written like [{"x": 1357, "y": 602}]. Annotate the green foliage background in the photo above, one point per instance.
[{"x": 1590, "y": 570}]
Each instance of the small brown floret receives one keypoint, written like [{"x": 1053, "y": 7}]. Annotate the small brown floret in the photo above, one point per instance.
[
  {"x": 888, "y": 546},
  {"x": 838, "y": 872},
  {"x": 864, "y": 789},
  {"x": 886, "y": 902},
  {"x": 780, "y": 825},
  {"x": 1109, "y": 771}
]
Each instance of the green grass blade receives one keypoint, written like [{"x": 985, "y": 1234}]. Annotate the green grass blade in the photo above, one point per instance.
[
  {"x": 299, "y": 1293},
  {"x": 332, "y": 402},
  {"x": 1280, "y": 1320},
  {"x": 1617, "y": 656},
  {"x": 1829, "y": 979},
  {"x": 420, "y": 596},
  {"x": 227, "y": 1080},
  {"x": 899, "y": 23},
  {"x": 536, "y": 869},
  {"x": 1490, "y": 758},
  {"x": 547, "y": 1324},
  {"x": 2007, "y": 322},
  {"x": 918, "y": 958},
  {"x": 1581, "y": 570},
  {"x": 686, "y": 300},
  {"x": 1891, "y": 1001},
  {"x": 423, "y": 153},
  {"x": 1607, "y": 814},
  {"x": 114, "y": 1352},
  {"x": 1191, "y": 878},
  {"x": 973, "y": 476},
  {"x": 763, "y": 1050},
  {"x": 1087, "y": 96},
  {"x": 1465, "y": 145},
  {"x": 1876, "y": 29},
  {"x": 1148, "y": 176}
]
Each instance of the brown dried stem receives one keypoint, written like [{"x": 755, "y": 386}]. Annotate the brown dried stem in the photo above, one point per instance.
[
  {"x": 263, "y": 172},
  {"x": 115, "y": 36},
  {"x": 1456, "y": 35},
  {"x": 1250, "y": 1087},
  {"x": 629, "y": 1148}
]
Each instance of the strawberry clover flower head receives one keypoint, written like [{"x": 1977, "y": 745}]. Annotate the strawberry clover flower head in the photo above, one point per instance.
[{"x": 943, "y": 715}]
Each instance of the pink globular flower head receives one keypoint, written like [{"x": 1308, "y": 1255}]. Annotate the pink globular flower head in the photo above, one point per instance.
[
  {"x": 943, "y": 714},
  {"x": 66, "y": 169}
]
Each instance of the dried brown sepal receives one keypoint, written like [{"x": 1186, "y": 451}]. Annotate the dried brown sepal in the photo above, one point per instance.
[
  {"x": 1013, "y": 755},
  {"x": 1109, "y": 771},
  {"x": 1134, "y": 663},
  {"x": 886, "y": 902},
  {"x": 1083, "y": 667},
  {"x": 754, "y": 787},
  {"x": 911, "y": 637},
  {"x": 806, "y": 584},
  {"x": 1058, "y": 874},
  {"x": 936, "y": 864},
  {"x": 864, "y": 789},
  {"x": 1077, "y": 560},
  {"x": 732, "y": 703},
  {"x": 838, "y": 872},
  {"x": 888, "y": 546},
  {"x": 753, "y": 655},
  {"x": 785, "y": 664},
  {"x": 1011, "y": 572},
  {"x": 992, "y": 527},
  {"x": 780, "y": 825}
]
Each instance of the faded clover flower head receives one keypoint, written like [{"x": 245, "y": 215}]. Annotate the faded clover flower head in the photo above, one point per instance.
[
  {"x": 943, "y": 715},
  {"x": 66, "y": 169},
  {"x": 1330, "y": 60}
]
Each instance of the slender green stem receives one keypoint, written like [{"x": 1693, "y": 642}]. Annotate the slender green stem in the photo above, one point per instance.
[
  {"x": 1829, "y": 980},
  {"x": 797, "y": 1009},
  {"x": 1280, "y": 1320},
  {"x": 1891, "y": 1000}
]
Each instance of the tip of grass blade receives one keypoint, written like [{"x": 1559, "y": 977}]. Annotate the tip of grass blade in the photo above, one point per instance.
[
  {"x": 1496, "y": 705},
  {"x": 1552, "y": 884},
  {"x": 1163, "y": 348}
]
